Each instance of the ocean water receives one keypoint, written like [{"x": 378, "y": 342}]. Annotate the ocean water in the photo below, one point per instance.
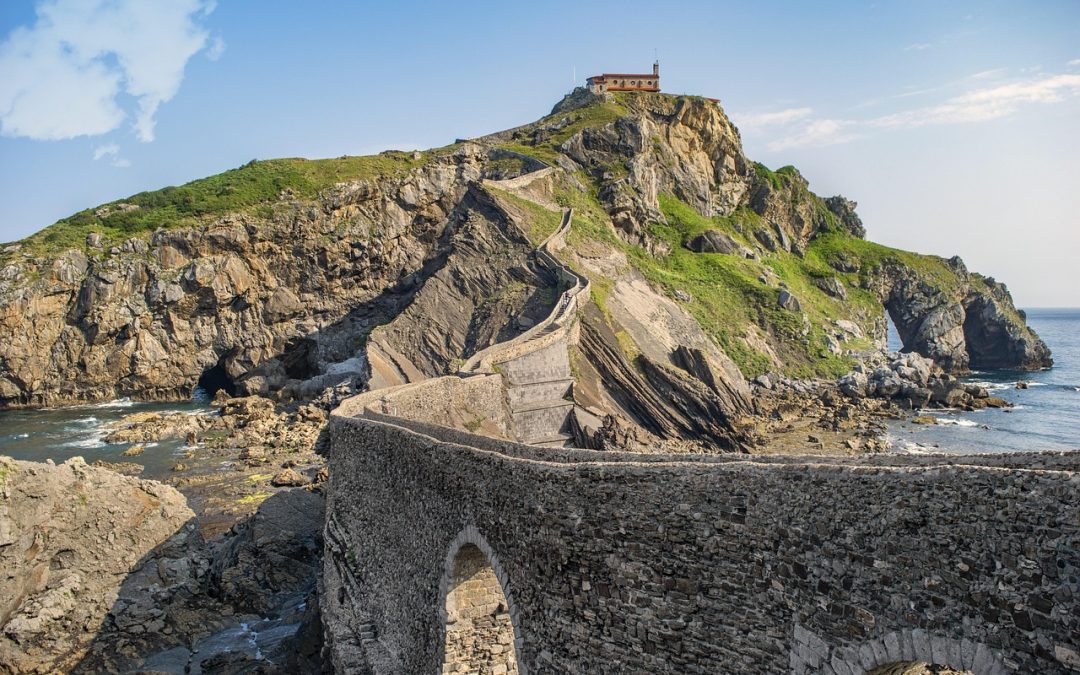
[
  {"x": 1046, "y": 416},
  {"x": 62, "y": 433}
]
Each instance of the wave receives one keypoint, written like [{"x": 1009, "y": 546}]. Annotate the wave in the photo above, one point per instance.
[
  {"x": 118, "y": 403},
  {"x": 92, "y": 442},
  {"x": 993, "y": 386},
  {"x": 953, "y": 422},
  {"x": 914, "y": 449}
]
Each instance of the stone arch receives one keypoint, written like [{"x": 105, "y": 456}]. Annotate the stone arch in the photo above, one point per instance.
[
  {"x": 477, "y": 607},
  {"x": 911, "y": 646},
  {"x": 811, "y": 654}
]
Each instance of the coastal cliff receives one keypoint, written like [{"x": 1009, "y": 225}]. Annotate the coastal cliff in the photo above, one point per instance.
[{"x": 284, "y": 277}]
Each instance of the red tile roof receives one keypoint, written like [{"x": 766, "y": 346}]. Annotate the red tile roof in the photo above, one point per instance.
[{"x": 622, "y": 75}]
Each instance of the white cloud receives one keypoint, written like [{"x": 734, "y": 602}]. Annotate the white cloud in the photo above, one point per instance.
[
  {"x": 111, "y": 151},
  {"x": 64, "y": 76},
  {"x": 917, "y": 47},
  {"x": 817, "y": 133},
  {"x": 986, "y": 104},
  {"x": 769, "y": 119},
  {"x": 216, "y": 48},
  {"x": 978, "y": 105},
  {"x": 1073, "y": 63}
]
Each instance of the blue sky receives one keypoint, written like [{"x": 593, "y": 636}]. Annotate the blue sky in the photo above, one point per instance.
[{"x": 956, "y": 126}]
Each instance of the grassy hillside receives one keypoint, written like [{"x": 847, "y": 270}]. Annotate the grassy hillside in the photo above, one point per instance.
[
  {"x": 733, "y": 298},
  {"x": 251, "y": 188}
]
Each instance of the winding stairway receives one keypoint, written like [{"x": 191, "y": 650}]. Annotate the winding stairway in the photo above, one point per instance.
[{"x": 535, "y": 365}]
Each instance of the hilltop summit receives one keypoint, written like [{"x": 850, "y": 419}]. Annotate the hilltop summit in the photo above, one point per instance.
[{"x": 273, "y": 277}]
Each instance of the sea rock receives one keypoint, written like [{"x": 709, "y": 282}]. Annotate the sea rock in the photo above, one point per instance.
[
  {"x": 145, "y": 427},
  {"x": 274, "y": 554},
  {"x": 61, "y": 529}
]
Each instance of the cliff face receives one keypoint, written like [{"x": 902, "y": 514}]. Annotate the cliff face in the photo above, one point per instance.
[
  {"x": 250, "y": 301},
  {"x": 665, "y": 153},
  {"x": 281, "y": 277}
]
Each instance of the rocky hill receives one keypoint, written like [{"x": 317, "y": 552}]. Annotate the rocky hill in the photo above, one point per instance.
[{"x": 289, "y": 277}]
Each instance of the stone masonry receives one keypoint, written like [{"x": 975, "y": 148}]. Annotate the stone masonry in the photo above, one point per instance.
[
  {"x": 479, "y": 633},
  {"x": 614, "y": 562}
]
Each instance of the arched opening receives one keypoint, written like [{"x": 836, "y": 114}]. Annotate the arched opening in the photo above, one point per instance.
[
  {"x": 916, "y": 668},
  {"x": 479, "y": 629},
  {"x": 893, "y": 341},
  {"x": 212, "y": 381}
]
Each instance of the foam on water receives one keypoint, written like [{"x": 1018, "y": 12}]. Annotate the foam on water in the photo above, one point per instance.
[
  {"x": 957, "y": 422},
  {"x": 1044, "y": 416}
]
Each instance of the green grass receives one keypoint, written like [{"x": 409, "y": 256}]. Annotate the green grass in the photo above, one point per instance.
[
  {"x": 833, "y": 246},
  {"x": 543, "y": 153},
  {"x": 597, "y": 115},
  {"x": 252, "y": 188},
  {"x": 728, "y": 296},
  {"x": 539, "y": 223}
]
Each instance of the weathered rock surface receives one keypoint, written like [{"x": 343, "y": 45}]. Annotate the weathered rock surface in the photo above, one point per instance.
[
  {"x": 69, "y": 536},
  {"x": 485, "y": 292},
  {"x": 258, "y": 303},
  {"x": 239, "y": 604},
  {"x": 714, "y": 241},
  {"x": 971, "y": 324}
]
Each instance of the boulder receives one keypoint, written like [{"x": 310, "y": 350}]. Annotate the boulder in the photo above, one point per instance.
[
  {"x": 283, "y": 304},
  {"x": 788, "y": 301},
  {"x": 289, "y": 478},
  {"x": 832, "y": 286},
  {"x": 714, "y": 241},
  {"x": 70, "y": 535}
]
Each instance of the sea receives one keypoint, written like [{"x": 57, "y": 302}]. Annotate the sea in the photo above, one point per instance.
[
  {"x": 62, "y": 433},
  {"x": 1045, "y": 416}
]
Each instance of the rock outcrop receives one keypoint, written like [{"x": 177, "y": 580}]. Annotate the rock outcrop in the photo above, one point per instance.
[
  {"x": 405, "y": 270},
  {"x": 967, "y": 322},
  {"x": 69, "y": 537},
  {"x": 249, "y": 302}
]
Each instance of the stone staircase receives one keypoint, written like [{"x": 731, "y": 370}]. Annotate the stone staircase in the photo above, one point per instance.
[
  {"x": 538, "y": 385},
  {"x": 535, "y": 365}
]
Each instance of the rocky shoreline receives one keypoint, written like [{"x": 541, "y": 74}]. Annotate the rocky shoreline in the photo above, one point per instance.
[{"x": 226, "y": 585}]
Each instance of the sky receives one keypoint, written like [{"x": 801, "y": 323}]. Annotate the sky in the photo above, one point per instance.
[{"x": 954, "y": 125}]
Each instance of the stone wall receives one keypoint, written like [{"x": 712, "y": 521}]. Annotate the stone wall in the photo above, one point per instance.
[
  {"x": 477, "y": 403},
  {"x": 693, "y": 566}
]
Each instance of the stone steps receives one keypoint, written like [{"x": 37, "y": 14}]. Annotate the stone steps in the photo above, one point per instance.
[{"x": 528, "y": 395}]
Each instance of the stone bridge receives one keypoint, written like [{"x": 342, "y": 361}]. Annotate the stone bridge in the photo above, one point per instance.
[{"x": 449, "y": 551}]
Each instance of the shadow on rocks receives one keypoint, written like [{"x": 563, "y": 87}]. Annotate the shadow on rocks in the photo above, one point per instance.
[{"x": 244, "y": 604}]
